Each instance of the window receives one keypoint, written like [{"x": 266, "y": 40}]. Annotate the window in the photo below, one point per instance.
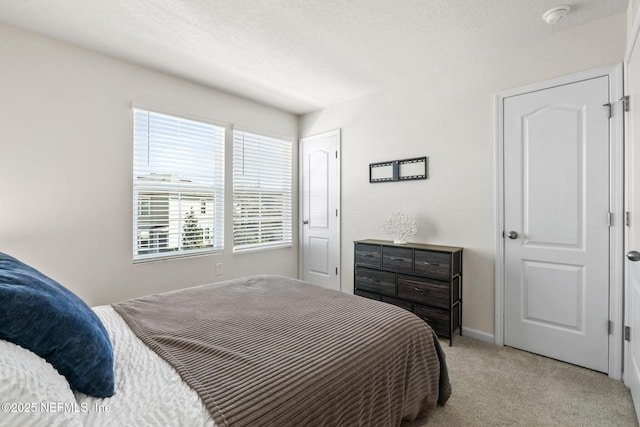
[
  {"x": 178, "y": 186},
  {"x": 261, "y": 192}
]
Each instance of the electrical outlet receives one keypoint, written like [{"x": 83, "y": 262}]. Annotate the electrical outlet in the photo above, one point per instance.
[{"x": 218, "y": 268}]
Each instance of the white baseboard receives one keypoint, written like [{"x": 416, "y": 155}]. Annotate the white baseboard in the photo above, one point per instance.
[{"x": 479, "y": 335}]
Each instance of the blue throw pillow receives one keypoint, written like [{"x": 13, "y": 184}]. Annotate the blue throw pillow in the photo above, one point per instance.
[{"x": 40, "y": 315}]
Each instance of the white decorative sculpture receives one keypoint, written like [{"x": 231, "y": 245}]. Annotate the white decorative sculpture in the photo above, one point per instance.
[{"x": 400, "y": 226}]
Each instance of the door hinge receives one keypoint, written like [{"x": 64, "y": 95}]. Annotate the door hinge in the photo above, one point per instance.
[
  {"x": 610, "y": 327},
  {"x": 610, "y": 219},
  {"x": 625, "y": 102},
  {"x": 336, "y": 212},
  {"x": 610, "y": 109},
  {"x": 627, "y": 219},
  {"x": 336, "y": 270},
  {"x": 627, "y": 333},
  {"x": 336, "y": 154}
]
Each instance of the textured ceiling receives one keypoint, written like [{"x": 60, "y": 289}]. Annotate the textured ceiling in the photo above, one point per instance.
[{"x": 298, "y": 55}]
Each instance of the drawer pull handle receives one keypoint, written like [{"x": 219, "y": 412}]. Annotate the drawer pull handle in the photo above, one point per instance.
[
  {"x": 366, "y": 255},
  {"x": 435, "y": 264},
  {"x": 418, "y": 290},
  {"x": 393, "y": 258}
]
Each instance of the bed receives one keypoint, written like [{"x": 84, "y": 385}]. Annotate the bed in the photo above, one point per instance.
[{"x": 262, "y": 350}]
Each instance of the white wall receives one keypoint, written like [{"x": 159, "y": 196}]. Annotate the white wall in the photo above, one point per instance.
[
  {"x": 449, "y": 118},
  {"x": 66, "y": 168}
]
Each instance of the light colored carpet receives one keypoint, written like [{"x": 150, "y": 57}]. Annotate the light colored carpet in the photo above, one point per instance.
[{"x": 502, "y": 386}]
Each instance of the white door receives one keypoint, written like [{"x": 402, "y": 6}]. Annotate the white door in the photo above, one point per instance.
[
  {"x": 320, "y": 211},
  {"x": 556, "y": 198},
  {"x": 632, "y": 285}
]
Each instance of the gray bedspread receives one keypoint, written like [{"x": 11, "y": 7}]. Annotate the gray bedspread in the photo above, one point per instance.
[{"x": 274, "y": 351}]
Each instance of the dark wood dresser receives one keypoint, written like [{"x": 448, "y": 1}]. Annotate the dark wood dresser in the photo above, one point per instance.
[{"x": 424, "y": 279}]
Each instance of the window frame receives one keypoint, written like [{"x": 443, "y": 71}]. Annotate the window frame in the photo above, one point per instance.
[
  {"x": 262, "y": 191},
  {"x": 177, "y": 188}
]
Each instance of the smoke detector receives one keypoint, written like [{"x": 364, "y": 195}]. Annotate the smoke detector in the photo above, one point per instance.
[{"x": 553, "y": 15}]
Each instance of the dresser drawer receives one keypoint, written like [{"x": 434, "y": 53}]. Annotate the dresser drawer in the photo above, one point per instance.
[
  {"x": 433, "y": 264},
  {"x": 368, "y": 255},
  {"x": 367, "y": 294},
  {"x": 425, "y": 291},
  {"x": 400, "y": 303},
  {"x": 439, "y": 320},
  {"x": 397, "y": 259},
  {"x": 381, "y": 282}
]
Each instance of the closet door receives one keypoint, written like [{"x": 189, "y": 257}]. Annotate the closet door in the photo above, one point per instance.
[{"x": 556, "y": 198}]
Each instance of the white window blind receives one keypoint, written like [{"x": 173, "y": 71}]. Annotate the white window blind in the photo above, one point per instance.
[
  {"x": 261, "y": 191},
  {"x": 178, "y": 186}
]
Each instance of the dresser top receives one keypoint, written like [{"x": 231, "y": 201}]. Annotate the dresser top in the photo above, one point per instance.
[{"x": 411, "y": 245}]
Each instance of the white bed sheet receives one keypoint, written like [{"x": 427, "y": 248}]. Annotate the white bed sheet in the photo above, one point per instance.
[{"x": 148, "y": 391}]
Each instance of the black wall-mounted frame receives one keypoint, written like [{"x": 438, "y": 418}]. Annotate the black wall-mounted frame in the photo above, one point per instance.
[{"x": 398, "y": 170}]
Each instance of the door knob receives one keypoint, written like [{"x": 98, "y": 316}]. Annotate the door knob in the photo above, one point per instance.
[
  {"x": 512, "y": 235},
  {"x": 633, "y": 255},
  {"x": 305, "y": 222}
]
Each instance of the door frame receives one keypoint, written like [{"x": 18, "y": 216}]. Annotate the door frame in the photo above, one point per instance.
[
  {"x": 616, "y": 204},
  {"x": 338, "y": 133},
  {"x": 633, "y": 43}
]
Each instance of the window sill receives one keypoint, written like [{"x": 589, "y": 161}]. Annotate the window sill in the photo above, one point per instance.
[{"x": 144, "y": 259}]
